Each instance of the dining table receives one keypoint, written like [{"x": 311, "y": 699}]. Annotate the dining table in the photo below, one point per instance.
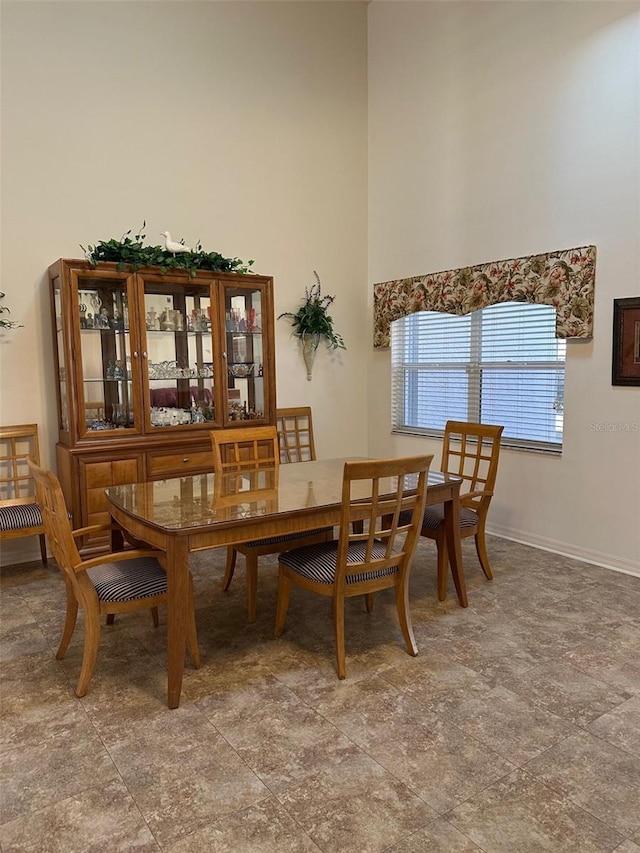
[{"x": 192, "y": 513}]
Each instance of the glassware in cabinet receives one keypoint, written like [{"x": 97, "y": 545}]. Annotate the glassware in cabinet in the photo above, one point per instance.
[
  {"x": 107, "y": 355},
  {"x": 179, "y": 353},
  {"x": 244, "y": 314}
]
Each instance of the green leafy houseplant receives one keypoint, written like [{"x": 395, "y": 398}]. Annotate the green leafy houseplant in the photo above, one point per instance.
[
  {"x": 130, "y": 251},
  {"x": 4, "y": 322},
  {"x": 312, "y": 318}
]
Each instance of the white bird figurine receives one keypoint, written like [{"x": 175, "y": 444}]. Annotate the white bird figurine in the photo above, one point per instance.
[{"x": 171, "y": 245}]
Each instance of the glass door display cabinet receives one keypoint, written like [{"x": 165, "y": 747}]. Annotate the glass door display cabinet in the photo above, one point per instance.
[{"x": 147, "y": 363}]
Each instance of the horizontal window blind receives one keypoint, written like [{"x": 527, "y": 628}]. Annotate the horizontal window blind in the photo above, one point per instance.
[{"x": 500, "y": 365}]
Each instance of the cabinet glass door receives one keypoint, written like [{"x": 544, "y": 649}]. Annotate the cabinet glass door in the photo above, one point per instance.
[
  {"x": 179, "y": 353},
  {"x": 61, "y": 365},
  {"x": 243, "y": 319},
  {"x": 106, "y": 350}
]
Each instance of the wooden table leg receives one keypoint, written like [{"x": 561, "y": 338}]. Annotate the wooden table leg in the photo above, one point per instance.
[
  {"x": 117, "y": 537},
  {"x": 178, "y": 603},
  {"x": 454, "y": 546}
]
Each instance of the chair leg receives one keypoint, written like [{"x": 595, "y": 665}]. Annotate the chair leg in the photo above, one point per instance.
[
  {"x": 192, "y": 633},
  {"x": 252, "y": 585},
  {"x": 230, "y": 567},
  {"x": 368, "y": 601},
  {"x": 481, "y": 550},
  {"x": 404, "y": 616},
  {"x": 284, "y": 587},
  {"x": 69, "y": 622},
  {"x": 43, "y": 548},
  {"x": 443, "y": 567},
  {"x": 338, "y": 628},
  {"x": 91, "y": 643}
]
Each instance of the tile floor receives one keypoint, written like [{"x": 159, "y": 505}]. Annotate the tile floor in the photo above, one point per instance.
[{"x": 515, "y": 730}]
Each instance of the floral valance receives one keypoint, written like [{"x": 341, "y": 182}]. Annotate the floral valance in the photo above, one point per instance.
[{"x": 564, "y": 279}]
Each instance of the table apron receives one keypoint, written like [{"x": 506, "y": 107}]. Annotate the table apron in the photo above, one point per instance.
[{"x": 215, "y": 536}]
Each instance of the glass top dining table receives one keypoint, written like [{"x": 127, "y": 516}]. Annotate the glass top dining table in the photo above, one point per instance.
[{"x": 207, "y": 510}]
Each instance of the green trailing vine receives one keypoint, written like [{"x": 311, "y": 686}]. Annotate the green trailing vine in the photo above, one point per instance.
[
  {"x": 130, "y": 252},
  {"x": 312, "y": 317}
]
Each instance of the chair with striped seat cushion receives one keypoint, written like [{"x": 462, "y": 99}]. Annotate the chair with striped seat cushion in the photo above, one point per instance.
[
  {"x": 118, "y": 582},
  {"x": 247, "y": 449},
  {"x": 470, "y": 451},
  {"x": 20, "y": 517},
  {"x": 19, "y": 513},
  {"x": 382, "y": 510}
]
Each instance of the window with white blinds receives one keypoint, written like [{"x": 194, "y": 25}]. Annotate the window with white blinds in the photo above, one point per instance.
[{"x": 500, "y": 365}]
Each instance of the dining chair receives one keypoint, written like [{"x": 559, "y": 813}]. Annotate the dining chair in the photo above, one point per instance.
[
  {"x": 295, "y": 434},
  {"x": 19, "y": 512},
  {"x": 246, "y": 449},
  {"x": 367, "y": 561},
  {"x": 117, "y": 582},
  {"x": 470, "y": 451}
]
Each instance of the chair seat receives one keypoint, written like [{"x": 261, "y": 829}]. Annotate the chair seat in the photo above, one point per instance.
[
  {"x": 128, "y": 580},
  {"x": 434, "y": 517},
  {"x": 318, "y": 562},
  {"x": 287, "y": 537},
  {"x": 20, "y": 516}
]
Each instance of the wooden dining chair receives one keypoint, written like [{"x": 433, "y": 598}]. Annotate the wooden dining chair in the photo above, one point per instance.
[
  {"x": 295, "y": 434},
  {"x": 362, "y": 563},
  {"x": 118, "y": 582},
  {"x": 470, "y": 451},
  {"x": 245, "y": 449},
  {"x": 19, "y": 512}
]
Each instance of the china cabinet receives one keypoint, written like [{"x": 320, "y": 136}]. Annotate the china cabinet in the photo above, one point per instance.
[{"x": 148, "y": 362}]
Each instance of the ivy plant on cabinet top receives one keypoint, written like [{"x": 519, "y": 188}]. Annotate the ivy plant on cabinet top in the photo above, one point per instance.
[{"x": 130, "y": 251}]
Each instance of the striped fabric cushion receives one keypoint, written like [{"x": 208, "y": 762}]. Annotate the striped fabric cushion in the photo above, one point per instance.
[
  {"x": 129, "y": 579},
  {"x": 318, "y": 562},
  {"x": 19, "y": 517},
  {"x": 287, "y": 537},
  {"x": 434, "y": 516}
]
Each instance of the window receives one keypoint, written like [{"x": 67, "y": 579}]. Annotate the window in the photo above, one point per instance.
[{"x": 500, "y": 365}]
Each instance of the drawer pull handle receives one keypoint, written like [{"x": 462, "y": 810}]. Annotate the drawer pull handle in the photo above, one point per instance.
[{"x": 186, "y": 459}]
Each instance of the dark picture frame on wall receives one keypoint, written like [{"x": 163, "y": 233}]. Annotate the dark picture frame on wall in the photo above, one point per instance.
[{"x": 626, "y": 341}]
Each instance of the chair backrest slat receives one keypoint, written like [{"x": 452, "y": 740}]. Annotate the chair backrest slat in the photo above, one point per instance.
[
  {"x": 382, "y": 507},
  {"x": 18, "y": 444},
  {"x": 295, "y": 433},
  {"x": 57, "y": 528},
  {"x": 471, "y": 451},
  {"x": 245, "y": 447}
]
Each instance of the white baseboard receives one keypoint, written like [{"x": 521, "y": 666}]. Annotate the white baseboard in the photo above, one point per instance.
[
  {"x": 566, "y": 549},
  {"x": 14, "y": 551}
]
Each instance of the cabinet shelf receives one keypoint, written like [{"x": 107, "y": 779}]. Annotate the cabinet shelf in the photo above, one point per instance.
[
  {"x": 96, "y": 329},
  {"x": 189, "y": 332},
  {"x": 104, "y": 379}
]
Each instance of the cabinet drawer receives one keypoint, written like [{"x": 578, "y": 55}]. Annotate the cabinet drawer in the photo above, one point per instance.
[{"x": 174, "y": 464}]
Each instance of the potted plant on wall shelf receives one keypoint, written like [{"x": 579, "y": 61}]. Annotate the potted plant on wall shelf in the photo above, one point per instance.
[{"x": 311, "y": 323}]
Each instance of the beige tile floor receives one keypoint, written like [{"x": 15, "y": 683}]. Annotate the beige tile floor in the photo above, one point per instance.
[{"x": 516, "y": 729}]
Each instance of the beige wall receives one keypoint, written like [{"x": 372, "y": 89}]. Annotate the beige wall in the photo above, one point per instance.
[
  {"x": 239, "y": 124},
  {"x": 495, "y": 129},
  {"x": 505, "y": 129}
]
